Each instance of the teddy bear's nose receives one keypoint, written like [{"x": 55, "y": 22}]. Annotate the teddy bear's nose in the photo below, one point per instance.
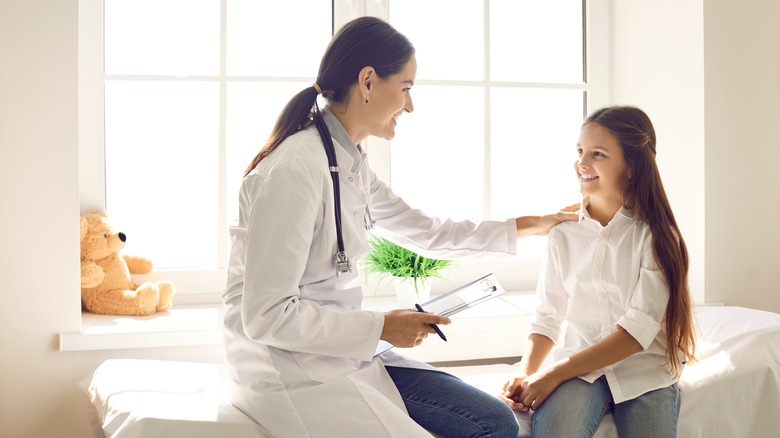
[{"x": 122, "y": 237}]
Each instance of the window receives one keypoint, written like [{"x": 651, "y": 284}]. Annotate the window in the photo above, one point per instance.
[
  {"x": 502, "y": 88},
  {"x": 501, "y": 95},
  {"x": 178, "y": 95}
]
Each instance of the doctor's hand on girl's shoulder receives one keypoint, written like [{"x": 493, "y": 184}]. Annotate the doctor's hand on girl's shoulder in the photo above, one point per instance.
[
  {"x": 408, "y": 328},
  {"x": 540, "y": 225}
]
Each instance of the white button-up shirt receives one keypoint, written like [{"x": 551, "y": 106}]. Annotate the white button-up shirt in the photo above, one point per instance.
[{"x": 596, "y": 278}]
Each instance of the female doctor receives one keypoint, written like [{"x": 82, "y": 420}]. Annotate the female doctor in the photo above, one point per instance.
[{"x": 299, "y": 349}]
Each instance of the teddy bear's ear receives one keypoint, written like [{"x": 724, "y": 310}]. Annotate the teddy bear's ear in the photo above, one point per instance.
[
  {"x": 97, "y": 212},
  {"x": 84, "y": 226}
]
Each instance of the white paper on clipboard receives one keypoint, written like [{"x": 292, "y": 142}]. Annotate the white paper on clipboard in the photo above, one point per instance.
[{"x": 457, "y": 300}]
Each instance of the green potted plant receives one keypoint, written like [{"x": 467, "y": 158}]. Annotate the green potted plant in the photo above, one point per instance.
[{"x": 411, "y": 272}]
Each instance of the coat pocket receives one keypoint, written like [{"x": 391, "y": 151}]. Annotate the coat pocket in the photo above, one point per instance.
[{"x": 322, "y": 369}]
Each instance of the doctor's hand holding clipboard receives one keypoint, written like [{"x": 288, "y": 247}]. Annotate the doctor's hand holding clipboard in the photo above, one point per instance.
[
  {"x": 409, "y": 327},
  {"x": 443, "y": 306}
]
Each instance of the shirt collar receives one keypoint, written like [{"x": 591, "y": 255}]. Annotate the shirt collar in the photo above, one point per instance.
[
  {"x": 584, "y": 208},
  {"x": 339, "y": 134},
  {"x": 627, "y": 213}
]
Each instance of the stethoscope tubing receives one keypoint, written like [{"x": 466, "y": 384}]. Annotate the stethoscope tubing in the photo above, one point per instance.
[{"x": 343, "y": 264}]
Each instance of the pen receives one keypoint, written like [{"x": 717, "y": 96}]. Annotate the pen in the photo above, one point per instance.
[{"x": 435, "y": 327}]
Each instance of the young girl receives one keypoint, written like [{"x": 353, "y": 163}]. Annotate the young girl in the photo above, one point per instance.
[{"x": 618, "y": 278}]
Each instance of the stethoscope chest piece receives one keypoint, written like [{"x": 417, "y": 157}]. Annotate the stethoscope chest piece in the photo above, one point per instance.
[{"x": 343, "y": 265}]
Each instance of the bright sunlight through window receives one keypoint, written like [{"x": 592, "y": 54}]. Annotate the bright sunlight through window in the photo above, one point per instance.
[{"x": 191, "y": 88}]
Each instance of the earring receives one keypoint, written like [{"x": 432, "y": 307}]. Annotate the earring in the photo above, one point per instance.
[{"x": 365, "y": 101}]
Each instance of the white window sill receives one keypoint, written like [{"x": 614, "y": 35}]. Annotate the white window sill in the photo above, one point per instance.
[
  {"x": 496, "y": 328},
  {"x": 183, "y": 325}
]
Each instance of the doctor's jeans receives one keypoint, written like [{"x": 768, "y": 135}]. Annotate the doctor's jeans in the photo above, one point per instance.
[
  {"x": 576, "y": 408},
  {"x": 451, "y": 408}
]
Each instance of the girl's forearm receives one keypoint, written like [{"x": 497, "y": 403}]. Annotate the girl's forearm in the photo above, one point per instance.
[
  {"x": 612, "y": 349},
  {"x": 537, "y": 347}
]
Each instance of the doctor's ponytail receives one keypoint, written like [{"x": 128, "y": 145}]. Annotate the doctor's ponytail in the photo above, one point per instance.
[{"x": 296, "y": 115}]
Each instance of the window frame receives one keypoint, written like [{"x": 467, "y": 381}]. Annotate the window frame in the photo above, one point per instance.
[
  {"x": 202, "y": 286},
  {"x": 518, "y": 273}
]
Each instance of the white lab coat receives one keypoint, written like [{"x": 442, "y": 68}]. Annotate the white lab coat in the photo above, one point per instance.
[{"x": 300, "y": 352}]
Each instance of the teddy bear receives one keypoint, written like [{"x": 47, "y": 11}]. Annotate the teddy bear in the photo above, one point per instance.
[{"x": 106, "y": 285}]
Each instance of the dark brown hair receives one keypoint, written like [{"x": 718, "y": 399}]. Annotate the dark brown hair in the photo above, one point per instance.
[
  {"x": 365, "y": 41},
  {"x": 644, "y": 192}
]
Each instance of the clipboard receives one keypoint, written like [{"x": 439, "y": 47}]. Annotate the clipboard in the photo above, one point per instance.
[{"x": 457, "y": 300}]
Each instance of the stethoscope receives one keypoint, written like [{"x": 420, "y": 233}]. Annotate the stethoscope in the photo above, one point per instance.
[{"x": 343, "y": 264}]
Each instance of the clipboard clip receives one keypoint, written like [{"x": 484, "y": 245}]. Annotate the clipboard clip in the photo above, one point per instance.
[{"x": 488, "y": 286}]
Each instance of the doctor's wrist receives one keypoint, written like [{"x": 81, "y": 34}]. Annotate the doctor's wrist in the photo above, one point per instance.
[{"x": 530, "y": 226}]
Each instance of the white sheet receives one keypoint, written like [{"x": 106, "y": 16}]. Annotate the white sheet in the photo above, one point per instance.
[
  {"x": 734, "y": 391},
  {"x": 151, "y": 398}
]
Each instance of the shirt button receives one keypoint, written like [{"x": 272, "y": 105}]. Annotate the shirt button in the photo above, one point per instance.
[
  {"x": 605, "y": 329},
  {"x": 602, "y": 295},
  {"x": 597, "y": 268},
  {"x": 350, "y": 179},
  {"x": 604, "y": 235}
]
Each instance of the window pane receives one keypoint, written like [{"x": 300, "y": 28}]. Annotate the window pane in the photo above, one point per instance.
[
  {"x": 449, "y": 46},
  {"x": 534, "y": 135},
  {"x": 161, "y": 180},
  {"x": 536, "y": 41},
  {"x": 282, "y": 38},
  {"x": 162, "y": 37},
  {"x": 437, "y": 153},
  {"x": 252, "y": 109}
]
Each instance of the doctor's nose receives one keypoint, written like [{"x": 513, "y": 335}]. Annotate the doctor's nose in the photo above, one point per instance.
[{"x": 409, "y": 107}]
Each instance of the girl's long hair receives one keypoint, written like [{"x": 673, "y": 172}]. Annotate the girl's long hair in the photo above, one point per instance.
[
  {"x": 644, "y": 192},
  {"x": 365, "y": 41}
]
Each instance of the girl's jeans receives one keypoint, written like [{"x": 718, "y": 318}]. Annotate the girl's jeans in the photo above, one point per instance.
[{"x": 576, "y": 407}]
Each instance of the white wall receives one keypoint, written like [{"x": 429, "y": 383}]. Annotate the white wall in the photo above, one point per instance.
[
  {"x": 708, "y": 74},
  {"x": 659, "y": 66},
  {"x": 663, "y": 73},
  {"x": 742, "y": 132}
]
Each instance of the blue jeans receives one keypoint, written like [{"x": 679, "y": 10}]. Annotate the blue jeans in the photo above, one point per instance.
[
  {"x": 576, "y": 407},
  {"x": 451, "y": 408}
]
